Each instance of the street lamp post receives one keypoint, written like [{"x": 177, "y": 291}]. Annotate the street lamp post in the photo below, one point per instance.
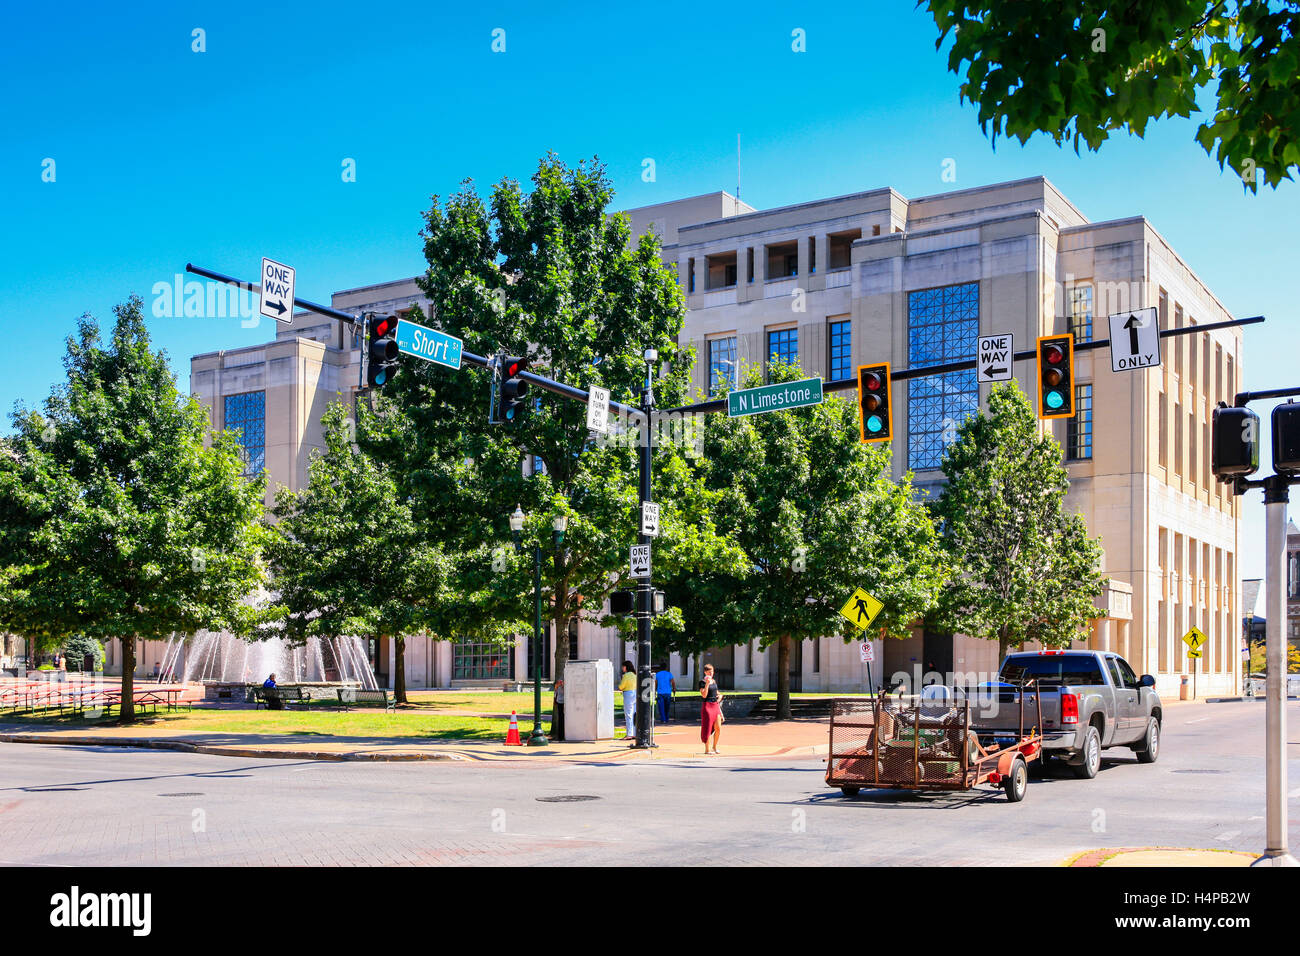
[{"x": 538, "y": 737}]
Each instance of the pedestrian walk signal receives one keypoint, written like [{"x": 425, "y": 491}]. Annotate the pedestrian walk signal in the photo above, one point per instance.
[
  {"x": 1234, "y": 443},
  {"x": 1056, "y": 376},
  {"x": 382, "y": 334},
  {"x": 875, "y": 419}
]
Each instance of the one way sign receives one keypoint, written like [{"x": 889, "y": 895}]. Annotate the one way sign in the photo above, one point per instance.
[
  {"x": 277, "y": 290},
  {"x": 1134, "y": 340},
  {"x": 995, "y": 352}
]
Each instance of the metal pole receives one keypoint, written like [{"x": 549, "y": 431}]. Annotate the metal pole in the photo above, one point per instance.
[
  {"x": 1275, "y": 502},
  {"x": 537, "y": 738},
  {"x": 644, "y": 588}
]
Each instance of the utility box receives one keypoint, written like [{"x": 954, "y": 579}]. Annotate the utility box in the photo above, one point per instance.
[{"x": 589, "y": 700}]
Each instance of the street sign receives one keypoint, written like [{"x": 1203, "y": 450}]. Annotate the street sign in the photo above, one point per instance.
[
  {"x": 276, "y": 301},
  {"x": 772, "y": 398},
  {"x": 994, "y": 363},
  {"x": 428, "y": 344},
  {"x": 1194, "y": 639},
  {"x": 650, "y": 519},
  {"x": 640, "y": 560},
  {"x": 868, "y": 651},
  {"x": 598, "y": 409},
  {"x": 1134, "y": 340},
  {"x": 861, "y": 609}
]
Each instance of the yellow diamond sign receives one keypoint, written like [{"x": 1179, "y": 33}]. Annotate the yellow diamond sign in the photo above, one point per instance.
[
  {"x": 861, "y": 609},
  {"x": 1194, "y": 639}
]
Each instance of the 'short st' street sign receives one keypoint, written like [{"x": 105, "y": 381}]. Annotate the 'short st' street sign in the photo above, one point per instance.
[
  {"x": 428, "y": 344},
  {"x": 771, "y": 398}
]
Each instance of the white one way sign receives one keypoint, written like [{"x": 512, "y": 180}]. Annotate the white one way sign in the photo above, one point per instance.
[
  {"x": 277, "y": 290},
  {"x": 994, "y": 364},
  {"x": 1134, "y": 340}
]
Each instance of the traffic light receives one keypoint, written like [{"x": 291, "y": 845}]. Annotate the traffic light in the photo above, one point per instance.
[
  {"x": 1056, "y": 376},
  {"x": 875, "y": 420},
  {"x": 1286, "y": 438},
  {"x": 1234, "y": 441},
  {"x": 382, "y": 335},
  {"x": 512, "y": 389}
]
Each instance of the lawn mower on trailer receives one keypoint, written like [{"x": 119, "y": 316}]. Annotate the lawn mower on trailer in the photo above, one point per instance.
[{"x": 924, "y": 743}]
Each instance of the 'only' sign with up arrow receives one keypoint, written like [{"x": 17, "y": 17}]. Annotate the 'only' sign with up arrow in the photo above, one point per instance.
[{"x": 1134, "y": 340}]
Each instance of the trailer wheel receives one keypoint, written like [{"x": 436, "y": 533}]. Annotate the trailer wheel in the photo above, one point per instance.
[
  {"x": 1016, "y": 782},
  {"x": 850, "y": 791}
]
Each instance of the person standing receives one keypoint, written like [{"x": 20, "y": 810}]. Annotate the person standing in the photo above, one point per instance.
[
  {"x": 628, "y": 686},
  {"x": 665, "y": 686},
  {"x": 710, "y": 710},
  {"x": 557, "y": 712}
]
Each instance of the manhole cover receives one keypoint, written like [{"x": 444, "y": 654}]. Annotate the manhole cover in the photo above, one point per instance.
[
  {"x": 1200, "y": 771},
  {"x": 180, "y": 794},
  {"x": 52, "y": 789},
  {"x": 567, "y": 798}
]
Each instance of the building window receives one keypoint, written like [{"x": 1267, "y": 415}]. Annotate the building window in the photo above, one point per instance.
[
  {"x": 942, "y": 327},
  {"x": 1081, "y": 313},
  {"x": 783, "y": 344},
  {"x": 471, "y": 660},
  {"x": 1078, "y": 442},
  {"x": 722, "y": 364},
  {"x": 1163, "y": 429},
  {"x": 841, "y": 351},
  {"x": 246, "y": 415}
]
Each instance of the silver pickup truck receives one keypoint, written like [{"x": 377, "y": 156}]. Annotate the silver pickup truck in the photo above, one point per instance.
[{"x": 1090, "y": 700}]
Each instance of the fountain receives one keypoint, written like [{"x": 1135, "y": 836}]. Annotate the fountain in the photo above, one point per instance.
[{"x": 225, "y": 664}]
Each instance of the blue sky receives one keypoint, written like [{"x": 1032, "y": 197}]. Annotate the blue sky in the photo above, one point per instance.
[{"x": 164, "y": 155}]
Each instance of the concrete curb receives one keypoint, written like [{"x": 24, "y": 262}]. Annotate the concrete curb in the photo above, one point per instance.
[{"x": 184, "y": 746}]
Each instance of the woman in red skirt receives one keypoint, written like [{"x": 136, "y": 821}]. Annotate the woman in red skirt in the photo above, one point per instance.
[{"x": 710, "y": 710}]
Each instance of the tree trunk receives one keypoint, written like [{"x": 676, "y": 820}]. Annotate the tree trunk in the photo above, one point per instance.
[
  {"x": 699, "y": 666},
  {"x": 1004, "y": 642},
  {"x": 561, "y": 626},
  {"x": 126, "y": 710},
  {"x": 399, "y": 669},
  {"x": 783, "y": 677}
]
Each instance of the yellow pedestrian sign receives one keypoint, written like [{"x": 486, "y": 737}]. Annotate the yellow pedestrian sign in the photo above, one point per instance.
[
  {"x": 861, "y": 609},
  {"x": 1194, "y": 639}
]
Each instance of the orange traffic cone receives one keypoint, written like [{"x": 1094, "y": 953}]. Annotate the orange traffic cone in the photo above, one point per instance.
[{"x": 512, "y": 738}]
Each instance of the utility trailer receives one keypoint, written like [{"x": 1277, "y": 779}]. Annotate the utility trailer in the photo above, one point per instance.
[{"x": 924, "y": 743}]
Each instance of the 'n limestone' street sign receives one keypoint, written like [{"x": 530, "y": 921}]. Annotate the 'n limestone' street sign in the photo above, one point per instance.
[
  {"x": 428, "y": 344},
  {"x": 772, "y": 398},
  {"x": 276, "y": 301}
]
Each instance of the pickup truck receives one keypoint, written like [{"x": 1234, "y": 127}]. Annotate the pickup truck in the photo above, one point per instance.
[{"x": 1090, "y": 700}]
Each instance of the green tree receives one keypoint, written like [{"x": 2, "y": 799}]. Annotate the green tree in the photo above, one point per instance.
[
  {"x": 1081, "y": 70},
  {"x": 549, "y": 275},
  {"x": 348, "y": 557},
  {"x": 817, "y": 514},
  {"x": 78, "y": 646},
  {"x": 1024, "y": 569},
  {"x": 116, "y": 519}
]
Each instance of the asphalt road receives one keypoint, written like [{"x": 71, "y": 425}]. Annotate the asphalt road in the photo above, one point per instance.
[{"x": 70, "y": 806}]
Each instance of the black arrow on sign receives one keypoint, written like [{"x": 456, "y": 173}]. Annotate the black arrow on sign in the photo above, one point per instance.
[
  {"x": 276, "y": 305},
  {"x": 1133, "y": 324},
  {"x": 990, "y": 372}
]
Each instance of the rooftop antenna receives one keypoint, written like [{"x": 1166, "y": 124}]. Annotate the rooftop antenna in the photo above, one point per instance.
[{"x": 737, "y": 169}]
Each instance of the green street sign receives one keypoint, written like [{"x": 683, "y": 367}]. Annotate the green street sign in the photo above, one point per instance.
[{"x": 773, "y": 398}]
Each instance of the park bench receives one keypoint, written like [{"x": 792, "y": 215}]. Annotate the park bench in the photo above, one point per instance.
[
  {"x": 282, "y": 695},
  {"x": 364, "y": 697}
]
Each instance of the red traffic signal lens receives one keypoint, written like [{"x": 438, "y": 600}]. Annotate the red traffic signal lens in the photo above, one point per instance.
[
  {"x": 873, "y": 381},
  {"x": 1054, "y": 354}
]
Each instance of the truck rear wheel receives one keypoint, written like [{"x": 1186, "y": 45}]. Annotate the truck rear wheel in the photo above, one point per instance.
[
  {"x": 1016, "y": 782},
  {"x": 1090, "y": 761},
  {"x": 850, "y": 791},
  {"x": 1149, "y": 749}
]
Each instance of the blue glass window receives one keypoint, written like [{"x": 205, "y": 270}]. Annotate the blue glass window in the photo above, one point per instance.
[
  {"x": 841, "y": 349},
  {"x": 1081, "y": 313},
  {"x": 942, "y": 326},
  {"x": 783, "y": 344},
  {"x": 722, "y": 364},
  {"x": 246, "y": 415},
  {"x": 1078, "y": 444}
]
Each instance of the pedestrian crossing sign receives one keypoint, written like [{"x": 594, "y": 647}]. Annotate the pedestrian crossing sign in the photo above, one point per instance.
[
  {"x": 1194, "y": 639},
  {"x": 861, "y": 609}
]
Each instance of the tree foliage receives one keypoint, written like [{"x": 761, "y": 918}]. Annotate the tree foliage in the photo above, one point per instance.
[
  {"x": 116, "y": 519},
  {"x": 1081, "y": 70},
  {"x": 1024, "y": 567},
  {"x": 348, "y": 557},
  {"x": 817, "y": 514}
]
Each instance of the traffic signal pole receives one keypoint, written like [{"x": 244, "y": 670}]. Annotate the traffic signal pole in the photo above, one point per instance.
[
  {"x": 644, "y": 588},
  {"x": 1276, "y": 494}
]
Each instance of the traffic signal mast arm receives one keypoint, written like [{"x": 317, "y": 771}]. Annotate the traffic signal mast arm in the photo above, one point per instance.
[
  {"x": 253, "y": 287},
  {"x": 851, "y": 384}
]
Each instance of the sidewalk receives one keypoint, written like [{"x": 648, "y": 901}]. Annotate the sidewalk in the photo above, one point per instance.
[
  {"x": 1160, "y": 856},
  {"x": 753, "y": 739}
]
